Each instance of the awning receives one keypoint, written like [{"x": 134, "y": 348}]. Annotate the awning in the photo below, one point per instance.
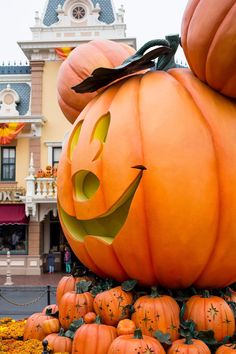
[{"x": 13, "y": 214}]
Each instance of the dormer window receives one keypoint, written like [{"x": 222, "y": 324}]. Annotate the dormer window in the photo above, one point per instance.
[
  {"x": 8, "y": 102},
  {"x": 78, "y": 12}
]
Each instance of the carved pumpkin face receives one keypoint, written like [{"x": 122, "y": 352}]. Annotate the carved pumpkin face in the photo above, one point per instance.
[{"x": 138, "y": 186}]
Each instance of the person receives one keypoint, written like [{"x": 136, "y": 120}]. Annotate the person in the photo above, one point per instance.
[
  {"x": 67, "y": 260},
  {"x": 15, "y": 240},
  {"x": 51, "y": 262}
]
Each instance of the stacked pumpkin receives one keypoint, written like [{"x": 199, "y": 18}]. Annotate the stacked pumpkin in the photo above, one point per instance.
[
  {"x": 146, "y": 187},
  {"x": 127, "y": 318}
]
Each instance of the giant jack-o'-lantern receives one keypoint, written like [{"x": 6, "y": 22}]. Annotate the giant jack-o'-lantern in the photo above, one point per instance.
[{"x": 146, "y": 182}]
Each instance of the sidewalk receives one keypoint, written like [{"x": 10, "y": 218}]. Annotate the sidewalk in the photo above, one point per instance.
[
  {"x": 34, "y": 280},
  {"x": 28, "y": 294}
]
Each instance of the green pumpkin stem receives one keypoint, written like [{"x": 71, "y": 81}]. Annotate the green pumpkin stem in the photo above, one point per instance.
[
  {"x": 83, "y": 286},
  {"x": 167, "y": 61},
  {"x": 61, "y": 332},
  {"x": 206, "y": 294},
  {"x": 188, "y": 339},
  {"x": 98, "y": 320},
  {"x": 154, "y": 292},
  {"x": 138, "y": 334}
]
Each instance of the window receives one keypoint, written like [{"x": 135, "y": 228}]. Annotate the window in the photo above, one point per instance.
[
  {"x": 56, "y": 152},
  {"x": 13, "y": 238},
  {"x": 8, "y": 163}
]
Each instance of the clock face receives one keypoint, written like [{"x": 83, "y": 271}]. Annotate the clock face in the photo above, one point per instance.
[
  {"x": 8, "y": 99},
  {"x": 78, "y": 12}
]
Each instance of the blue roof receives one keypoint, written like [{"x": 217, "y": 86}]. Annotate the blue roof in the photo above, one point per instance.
[
  {"x": 106, "y": 13},
  {"x": 23, "y": 91},
  {"x": 15, "y": 69}
]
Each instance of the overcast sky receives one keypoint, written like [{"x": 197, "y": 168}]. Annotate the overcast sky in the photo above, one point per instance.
[{"x": 145, "y": 20}]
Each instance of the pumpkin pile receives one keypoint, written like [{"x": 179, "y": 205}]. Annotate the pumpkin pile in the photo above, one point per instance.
[
  {"x": 101, "y": 316},
  {"x": 147, "y": 191}
]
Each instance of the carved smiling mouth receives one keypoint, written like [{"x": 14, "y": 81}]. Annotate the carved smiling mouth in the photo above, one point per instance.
[{"x": 105, "y": 226}]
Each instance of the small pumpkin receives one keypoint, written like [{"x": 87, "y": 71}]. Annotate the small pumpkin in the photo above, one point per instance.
[
  {"x": 93, "y": 338},
  {"x": 208, "y": 40},
  {"x": 90, "y": 317},
  {"x": 188, "y": 345},
  {"x": 51, "y": 325},
  {"x": 80, "y": 64},
  {"x": 75, "y": 304},
  {"x": 40, "y": 173},
  {"x": 112, "y": 305},
  {"x": 157, "y": 312},
  {"x": 57, "y": 342},
  {"x": 210, "y": 313},
  {"x": 125, "y": 326},
  {"x": 135, "y": 343},
  {"x": 227, "y": 349},
  {"x": 34, "y": 326}
]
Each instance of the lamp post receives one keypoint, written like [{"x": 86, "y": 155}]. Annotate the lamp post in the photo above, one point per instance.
[{"x": 8, "y": 273}]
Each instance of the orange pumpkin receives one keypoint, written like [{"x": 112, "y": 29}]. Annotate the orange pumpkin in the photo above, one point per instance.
[
  {"x": 226, "y": 349},
  {"x": 157, "y": 312},
  {"x": 193, "y": 346},
  {"x": 135, "y": 343},
  {"x": 81, "y": 62},
  {"x": 34, "y": 326},
  {"x": 211, "y": 313},
  {"x": 112, "y": 305},
  {"x": 51, "y": 325},
  {"x": 125, "y": 326},
  {"x": 208, "y": 39},
  {"x": 65, "y": 284},
  {"x": 50, "y": 309},
  {"x": 40, "y": 173},
  {"x": 90, "y": 317},
  {"x": 94, "y": 338},
  {"x": 74, "y": 304},
  {"x": 146, "y": 182},
  {"x": 57, "y": 342}
]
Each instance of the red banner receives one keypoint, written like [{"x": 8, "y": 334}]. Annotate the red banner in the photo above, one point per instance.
[
  {"x": 63, "y": 53},
  {"x": 9, "y": 131}
]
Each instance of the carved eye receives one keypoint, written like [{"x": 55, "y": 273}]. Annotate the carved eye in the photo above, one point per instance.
[
  {"x": 86, "y": 184},
  {"x": 75, "y": 138},
  {"x": 100, "y": 132}
]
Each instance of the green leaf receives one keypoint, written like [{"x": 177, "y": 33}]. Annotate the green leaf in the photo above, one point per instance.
[
  {"x": 162, "y": 337},
  {"x": 182, "y": 311},
  {"x": 83, "y": 286},
  {"x": 69, "y": 334},
  {"x": 207, "y": 337},
  {"x": 76, "y": 324},
  {"x": 129, "y": 285}
]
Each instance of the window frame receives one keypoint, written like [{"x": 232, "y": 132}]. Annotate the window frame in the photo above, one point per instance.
[
  {"x": 55, "y": 162},
  {"x": 8, "y": 164}
]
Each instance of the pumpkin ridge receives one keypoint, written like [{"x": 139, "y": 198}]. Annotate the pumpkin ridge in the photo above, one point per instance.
[
  {"x": 211, "y": 42},
  {"x": 148, "y": 243},
  {"x": 208, "y": 127},
  {"x": 72, "y": 105},
  {"x": 186, "y": 34}
]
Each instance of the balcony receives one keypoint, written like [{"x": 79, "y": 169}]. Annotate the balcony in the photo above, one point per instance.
[{"x": 41, "y": 194}]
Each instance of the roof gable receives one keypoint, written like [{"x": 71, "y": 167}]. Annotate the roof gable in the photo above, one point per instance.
[{"x": 106, "y": 14}]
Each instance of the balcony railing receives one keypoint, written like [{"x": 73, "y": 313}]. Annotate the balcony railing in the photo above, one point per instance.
[{"x": 39, "y": 190}]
